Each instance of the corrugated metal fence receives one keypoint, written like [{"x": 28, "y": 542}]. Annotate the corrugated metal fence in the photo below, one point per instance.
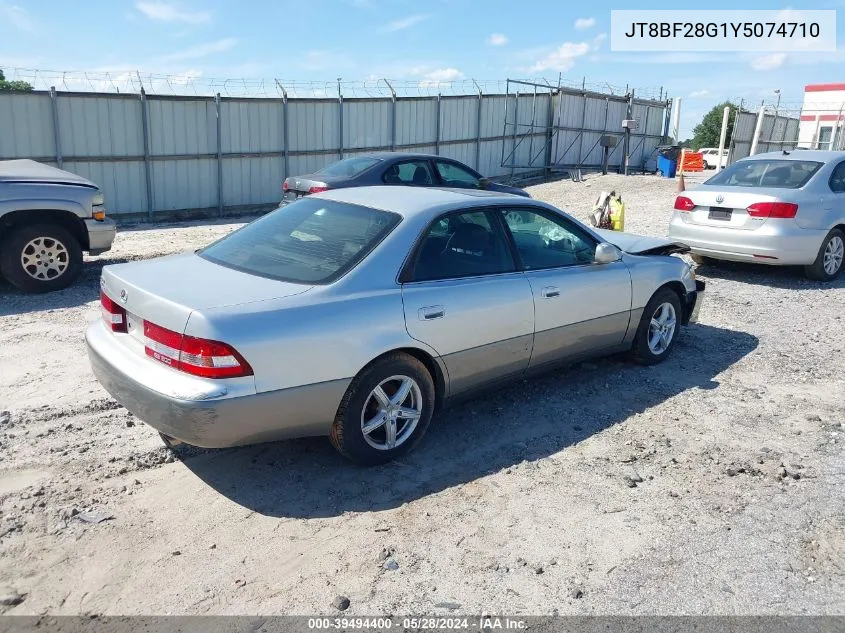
[
  {"x": 173, "y": 156},
  {"x": 777, "y": 132}
]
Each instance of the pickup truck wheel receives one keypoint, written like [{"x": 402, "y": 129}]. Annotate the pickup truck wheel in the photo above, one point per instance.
[{"x": 40, "y": 258}]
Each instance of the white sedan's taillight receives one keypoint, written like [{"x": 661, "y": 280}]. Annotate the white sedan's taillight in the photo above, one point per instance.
[
  {"x": 196, "y": 356},
  {"x": 113, "y": 314}
]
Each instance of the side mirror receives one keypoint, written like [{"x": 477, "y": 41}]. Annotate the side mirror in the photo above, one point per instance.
[
  {"x": 607, "y": 253},
  {"x": 483, "y": 183}
]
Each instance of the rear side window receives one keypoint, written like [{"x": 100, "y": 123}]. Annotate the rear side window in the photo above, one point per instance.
[
  {"x": 310, "y": 241},
  {"x": 776, "y": 174},
  {"x": 348, "y": 167}
]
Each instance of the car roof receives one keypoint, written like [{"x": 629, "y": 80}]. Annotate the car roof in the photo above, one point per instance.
[
  {"x": 820, "y": 155},
  {"x": 410, "y": 201},
  {"x": 385, "y": 155}
]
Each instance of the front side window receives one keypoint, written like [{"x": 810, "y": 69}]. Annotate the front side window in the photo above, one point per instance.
[
  {"x": 462, "y": 245},
  {"x": 454, "y": 176},
  {"x": 546, "y": 242},
  {"x": 774, "y": 173},
  {"x": 412, "y": 172},
  {"x": 310, "y": 241}
]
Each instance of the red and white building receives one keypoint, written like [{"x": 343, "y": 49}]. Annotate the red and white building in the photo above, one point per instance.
[{"x": 822, "y": 117}]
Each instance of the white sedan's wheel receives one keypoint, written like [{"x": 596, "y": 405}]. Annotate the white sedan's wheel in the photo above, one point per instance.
[{"x": 829, "y": 261}]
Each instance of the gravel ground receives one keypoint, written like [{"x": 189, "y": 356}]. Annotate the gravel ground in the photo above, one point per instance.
[{"x": 712, "y": 483}]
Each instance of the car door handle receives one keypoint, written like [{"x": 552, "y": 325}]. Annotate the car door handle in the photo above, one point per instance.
[
  {"x": 431, "y": 312},
  {"x": 550, "y": 292}
]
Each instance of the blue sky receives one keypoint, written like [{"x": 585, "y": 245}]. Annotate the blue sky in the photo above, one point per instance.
[{"x": 403, "y": 40}]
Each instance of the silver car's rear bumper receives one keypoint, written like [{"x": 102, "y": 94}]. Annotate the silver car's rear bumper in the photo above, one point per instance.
[
  {"x": 779, "y": 242},
  {"x": 213, "y": 422}
]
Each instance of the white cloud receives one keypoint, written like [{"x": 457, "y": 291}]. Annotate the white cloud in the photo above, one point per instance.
[
  {"x": 18, "y": 17},
  {"x": 695, "y": 94},
  {"x": 768, "y": 62},
  {"x": 202, "y": 50},
  {"x": 582, "y": 24},
  {"x": 166, "y": 12},
  {"x": 404, "y": 23},
  {"x": 497, "y": 39},
  {"x": 444, "y": 74},
  {"x": 562, "y": 58}
]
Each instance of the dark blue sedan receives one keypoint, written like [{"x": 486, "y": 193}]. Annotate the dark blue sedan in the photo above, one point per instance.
[{"x": 391, "y": 168}]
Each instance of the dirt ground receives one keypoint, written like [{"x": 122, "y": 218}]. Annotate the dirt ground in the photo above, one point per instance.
[{"x": 713, "y": 483}]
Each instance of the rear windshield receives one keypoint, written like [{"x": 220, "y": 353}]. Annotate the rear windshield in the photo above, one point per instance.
[
  {"x": 777, "y": 174},
  {"x": 348, "y": 167},
  {"x": 310, "y": 241}
]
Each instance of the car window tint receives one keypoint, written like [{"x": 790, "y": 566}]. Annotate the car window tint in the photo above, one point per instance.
[
  {"x": 543, "y": 242},
  {"x": 412, "y": 172},
  {"x": 837, "y": 178},
  {"x": 773, "y": 173},
  {"x": 308, "y": 241},
  {"x": 453, "y": 175},
  {"x": 462, "y": 245},
  {"x": 348, "y": 167}
]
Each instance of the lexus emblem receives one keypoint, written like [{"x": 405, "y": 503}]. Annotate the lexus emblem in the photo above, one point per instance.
[
  {"x": 124, "y": 295},
  {"x": 720, "y": 198}
]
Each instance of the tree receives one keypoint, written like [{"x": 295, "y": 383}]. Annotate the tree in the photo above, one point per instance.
[
  {"x": 706, "y": 133},
  {"x": 13, "y": 86}
]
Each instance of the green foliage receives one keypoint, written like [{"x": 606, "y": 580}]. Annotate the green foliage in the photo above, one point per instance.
[
  {"x": 706, "y": 133},
  {"x": 13, "y": 86}
]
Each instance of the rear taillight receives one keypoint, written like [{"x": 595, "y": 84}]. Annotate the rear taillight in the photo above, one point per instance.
[
  {"x": 113, "y": 314},
  {"x": 317, "y": 189},
  {"x": 196, "y": 356},
  {"x": 285, "y": 186},
  {"x": 682, "y": 203},
  {"x": 772, "y": 210}
]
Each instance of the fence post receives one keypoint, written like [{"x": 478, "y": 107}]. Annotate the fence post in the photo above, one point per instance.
[
  {"x": 478, "y": 128},
  {"x": 219, "y": 156},
  {"x": 392, "y": 116},
  {"x": 515, "y": 128},
  {"x": 757, "y": 129},
  {"x": 145, "y": 128},
  {"x": 550, "y": 121},
  {"x": 437, "y": 128},
  {"x": 531, "y": 132},
  {"x": 284, "y": 127},
  {"x": 629, "y": 112},
  {"x": 581, "y": 133},
  {"x": 56, "y": 137},
  {"x": 732, "y": 144},
  {"x": 726, "y": 113},
  {"x": 340, "y": 120}
]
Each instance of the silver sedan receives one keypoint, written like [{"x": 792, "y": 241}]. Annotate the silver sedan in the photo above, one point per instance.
[
  {"x": 778, "y": 208},
  {"x": 356, "y": 313}
]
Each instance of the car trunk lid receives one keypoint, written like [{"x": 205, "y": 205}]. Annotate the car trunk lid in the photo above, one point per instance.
[
  {"x": 298, "y": 186},
  {"x": 726, "y": 207},
  {"x": 166, "y": 290}
]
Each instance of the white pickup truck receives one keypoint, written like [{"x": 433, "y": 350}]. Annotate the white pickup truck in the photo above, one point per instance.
[
  {"x": 48, "y": 217},
  {"x": 711, "y": 157}
]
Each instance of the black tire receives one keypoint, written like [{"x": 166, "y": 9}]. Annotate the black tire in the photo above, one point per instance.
[
  {"x": 347, "y": 435},
  {"x": 702, "y": 260},
  {"x": 641, "y": 352},
  {"x": 12, "y": 251},
  {"x": 816, "y": 270}
]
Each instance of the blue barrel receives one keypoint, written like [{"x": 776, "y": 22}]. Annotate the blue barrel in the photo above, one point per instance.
[{"x": 666, "y": 166}]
